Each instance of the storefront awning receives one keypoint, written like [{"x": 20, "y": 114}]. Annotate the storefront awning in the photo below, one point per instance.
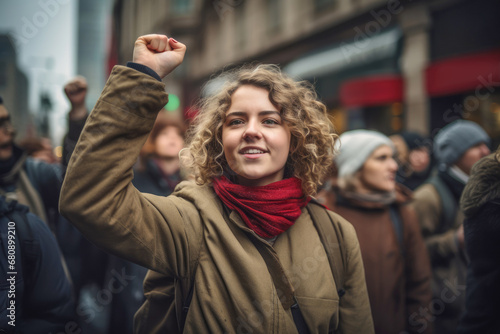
[
  {"x": 464, "y": 73},
  {"x": 371, "y": 91},
  {"x": 331, "y": 66},
  {"x": 346, "y": 56}
]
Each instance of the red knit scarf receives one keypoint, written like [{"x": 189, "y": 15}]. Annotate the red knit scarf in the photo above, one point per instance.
[{"x": 268, "y": 210}]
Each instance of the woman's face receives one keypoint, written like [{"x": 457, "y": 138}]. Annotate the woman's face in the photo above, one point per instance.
[
  {"x": 378, "y": 173},
  {"x": 168, "y": 143},
  {"x": 256, "y": 141}
]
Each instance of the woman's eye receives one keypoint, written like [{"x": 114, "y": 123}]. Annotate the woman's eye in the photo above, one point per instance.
[
  {"x": 270, "y": 121},
  {"x": 235, "y": 122}
]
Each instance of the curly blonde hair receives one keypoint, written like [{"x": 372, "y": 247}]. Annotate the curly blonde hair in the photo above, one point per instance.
[{"x": 312, "y": 133}]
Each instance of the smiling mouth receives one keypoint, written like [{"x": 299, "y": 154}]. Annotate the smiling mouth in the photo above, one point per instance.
[{"x": 252, "y": 151}]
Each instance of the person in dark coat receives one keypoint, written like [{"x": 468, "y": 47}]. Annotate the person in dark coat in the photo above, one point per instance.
[
  {"x": 34, "y": 283},
  {"x": 37, "y": 184},
  {"x": 481, "y": 205},
  {"x": 397, "y": 267}
]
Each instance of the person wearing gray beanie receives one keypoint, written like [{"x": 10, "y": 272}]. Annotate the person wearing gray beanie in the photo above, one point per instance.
[
  {"x": 354, "y": 147},
  {"x": 455, "y": 139},
  {"x": 457, "y": 147},
  {"x": 366, "y": 194}
]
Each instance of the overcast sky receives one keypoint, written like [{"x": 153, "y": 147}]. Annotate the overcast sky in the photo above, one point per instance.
[{"x": 44, "y": 35}]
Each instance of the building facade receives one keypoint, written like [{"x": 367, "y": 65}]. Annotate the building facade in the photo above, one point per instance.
[{"x": 390, "y": 65}]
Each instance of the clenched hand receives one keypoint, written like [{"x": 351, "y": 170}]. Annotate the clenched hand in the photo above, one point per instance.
[{"x": 158, "y": 52}]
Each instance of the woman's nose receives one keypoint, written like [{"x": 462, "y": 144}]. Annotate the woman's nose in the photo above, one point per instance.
[
  {"x": 252, "y": 131},
  {"x": 393, "y": 165}
]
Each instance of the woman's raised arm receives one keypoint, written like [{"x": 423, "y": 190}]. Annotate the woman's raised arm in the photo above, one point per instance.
[{"x": 97, "y": 195}]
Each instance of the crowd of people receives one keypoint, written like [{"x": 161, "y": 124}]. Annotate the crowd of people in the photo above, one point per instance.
[{"x": 258, "y": 218}]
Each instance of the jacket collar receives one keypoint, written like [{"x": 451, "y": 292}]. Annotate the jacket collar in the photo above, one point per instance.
[
  {"x": 455, "y": 185},
  {"x": 401, "y": 195}
]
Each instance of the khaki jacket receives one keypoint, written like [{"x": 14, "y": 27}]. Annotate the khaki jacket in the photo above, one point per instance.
[{"x": 233, "y": 288}]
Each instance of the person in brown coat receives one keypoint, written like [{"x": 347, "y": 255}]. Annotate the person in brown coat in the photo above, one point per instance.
[
  {"x": 241, "y": 236},
  {"x": 396, "y": 263}
]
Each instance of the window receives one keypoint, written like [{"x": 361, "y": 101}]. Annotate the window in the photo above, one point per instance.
[
  {"x": 241, "y": 31},
  {"x": 274, "y": 16},
  {"x": 3, "y": 73},
  {"x": 182, "y": 6},
  {"x": 321, "y": 5}
]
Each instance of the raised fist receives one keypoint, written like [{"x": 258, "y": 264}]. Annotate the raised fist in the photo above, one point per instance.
[
  {"x": 158, "y": 52},
  {"x": 76, "y": 91}
]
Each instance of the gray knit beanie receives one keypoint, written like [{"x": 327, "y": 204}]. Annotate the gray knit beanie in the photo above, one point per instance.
[
  {"x": 454, "y": 139},
  {"x": 355, "y": 147}
]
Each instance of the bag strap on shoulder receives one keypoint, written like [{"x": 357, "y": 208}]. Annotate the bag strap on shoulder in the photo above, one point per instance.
[
  {"x": 332, "y": 240},
  {"x": 449, "y": 207},
  {"x": 397, "y": 223}
]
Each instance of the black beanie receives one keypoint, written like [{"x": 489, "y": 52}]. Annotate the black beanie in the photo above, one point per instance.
[{"x": 413, "y": 140}]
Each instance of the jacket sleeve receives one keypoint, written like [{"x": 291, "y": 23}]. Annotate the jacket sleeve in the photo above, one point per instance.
[
  {"x": 418, "y": 274},
  {"x": 355, "y": 312},
  {"x": 50, "y": 307},
  {"x": 98, "y": 196},
  {"x": 441, "y": 246}
]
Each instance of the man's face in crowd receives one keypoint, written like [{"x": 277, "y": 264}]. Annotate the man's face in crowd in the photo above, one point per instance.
[
  {"x": 6, "y": 134},
  {"x": 471, "y": 156}
]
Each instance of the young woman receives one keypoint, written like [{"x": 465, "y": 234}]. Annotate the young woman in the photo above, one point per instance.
[
  {"x": 240, "y": 240},
  {"x": 394, "y": 255}
]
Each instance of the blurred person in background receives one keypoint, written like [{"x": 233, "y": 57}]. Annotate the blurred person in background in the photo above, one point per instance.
[
  {"x": 396, "y": 262},
  {"x": 35, "y": 183},
  {"x": 480, "y": 203},
  {"x": 31, "y": 182},
  {"x": 158, "y": 173},
  {"x": 76, "y": 93},
  {"x": 414, "y": 159},
  {"x": 86, "y": 263},
  {"x": 457, "y": 147},
  {"x": 36, "y": 295}
]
